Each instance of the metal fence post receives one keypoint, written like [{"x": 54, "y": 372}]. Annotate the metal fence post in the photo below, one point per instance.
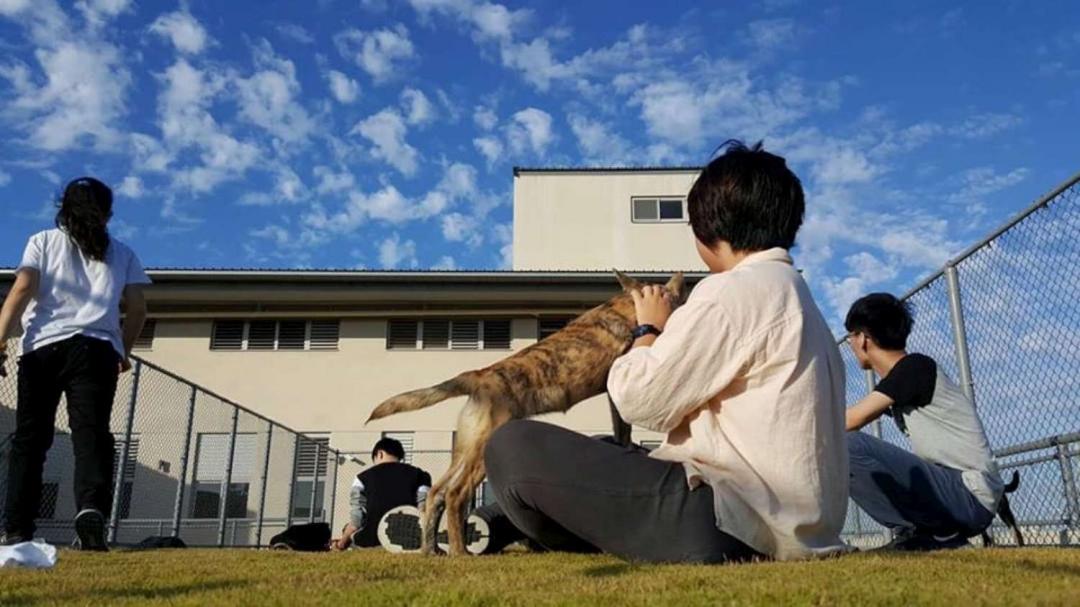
[
  {"x": 118, "y": 485},
  {"x": 871, "y": 383},
  {"x": 223, "y": 513},
  {"x": 314, "y": 483},
  {"x": 292, "y": 480},
  {"x": 956, "y": 314},
  {"x": 179, "y": 505},
  {"x": 333, "y": 489},
  {"x": 1068, "y": 481},
  {"x": 262, "y": 483}
]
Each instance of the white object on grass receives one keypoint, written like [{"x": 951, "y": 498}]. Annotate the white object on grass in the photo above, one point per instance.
[{"x": 36, "y": 554}]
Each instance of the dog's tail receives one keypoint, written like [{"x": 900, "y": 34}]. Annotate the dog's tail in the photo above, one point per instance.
[
  {"x": 1014, "y": 482},
  {"x": 424, "y": 397}
]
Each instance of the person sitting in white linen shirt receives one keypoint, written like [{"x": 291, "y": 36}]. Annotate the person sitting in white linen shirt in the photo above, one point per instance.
[{"x": 746, "y": 381}]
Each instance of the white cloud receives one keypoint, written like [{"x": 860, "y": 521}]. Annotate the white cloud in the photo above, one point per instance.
[
  {"x": 381, "y": 53},
  {"x": 5, "y": 178},
  {"x": 97, "y": 11},
  {"x": 183, "y": 30},
  {"x": 418, "y": 109},
  {"x": 503, "y": 233},
  {"x": 83, "y": 82},
  {"x": 983, "y": 126},
  {"x": 485, "y": 117},
  {"x": 845, "y": 165},
  {"x": 331, "y": 182},
  {"x": 388, "y": 204},
  {"x": 343, "y": 88},
  {"x": 131, "y": 187},
  {"x": 980, "y": 182},
  {"x": 296, "y": 33},
  {"x": 288, "y": 185},
  {"x": 597, "y": 142},
  {"x": 445, "y": 262},
  {"x": 12, "y": 8},
  {"x": 122, "y": 229},
  {"x": 530, "y": 130},
  {"x": 457, "y": 227},
  {"x": 148, "y": 154},
  {"x": 267, "y": 97},
  {"x": 488, "y": 21},
  {"x": 396, "y": 254},
  {"x": 386, "y": 130},
  {"x": 769, "y": 34},
  {"x": 490, "y": 147},
  {"x": 186, "y": 123}
]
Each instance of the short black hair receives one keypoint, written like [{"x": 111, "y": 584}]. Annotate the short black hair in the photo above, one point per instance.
[
  {"x": 883, "y": 317},
  {"x": 748, "y": 197},
  {"x": 391, "y": 446}
]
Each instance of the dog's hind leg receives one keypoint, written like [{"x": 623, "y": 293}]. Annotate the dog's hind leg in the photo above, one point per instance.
[
  {"x": 436, "y": 505},
  {"x": 620, "y": 430},
  {"x": 478, "y": 421},
  {"x": 458, "y": 498}
]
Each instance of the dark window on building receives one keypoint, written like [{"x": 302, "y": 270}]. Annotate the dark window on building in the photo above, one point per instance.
[{"x": 550, "y": 325}]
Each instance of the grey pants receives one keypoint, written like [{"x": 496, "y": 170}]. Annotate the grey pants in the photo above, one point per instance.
[
  {"x": 902, "y": 491},
  {"x": 571, "y": 493}
]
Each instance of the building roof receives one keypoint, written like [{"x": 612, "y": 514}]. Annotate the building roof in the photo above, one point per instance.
[{"x": 609, "y": 169}]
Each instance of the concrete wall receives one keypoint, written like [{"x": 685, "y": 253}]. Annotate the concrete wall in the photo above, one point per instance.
[{"x": 582, "y": 221}]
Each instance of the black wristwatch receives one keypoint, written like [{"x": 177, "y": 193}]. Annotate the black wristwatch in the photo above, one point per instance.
[{"x": 643, "y": 330}]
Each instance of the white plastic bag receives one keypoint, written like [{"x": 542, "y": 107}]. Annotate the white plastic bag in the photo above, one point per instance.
[{"x": 36, "y": 554}]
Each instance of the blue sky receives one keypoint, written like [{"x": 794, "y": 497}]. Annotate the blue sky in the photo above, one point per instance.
[{"x": 379, "y": 134}]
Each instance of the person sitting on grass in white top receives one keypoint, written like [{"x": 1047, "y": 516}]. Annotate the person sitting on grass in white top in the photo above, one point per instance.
[
  {"x": 746, "y": 381},
  {"x": 69, "y": 288}
]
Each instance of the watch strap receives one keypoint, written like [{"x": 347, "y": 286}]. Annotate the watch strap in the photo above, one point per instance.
[{"x": 645, "y": 329}]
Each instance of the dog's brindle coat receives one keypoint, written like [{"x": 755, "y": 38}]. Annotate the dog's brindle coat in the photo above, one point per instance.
[{"x": 551, "y": 375}]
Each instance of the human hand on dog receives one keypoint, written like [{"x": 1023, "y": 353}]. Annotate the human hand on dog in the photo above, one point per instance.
[{"x": 652, "y": 305}]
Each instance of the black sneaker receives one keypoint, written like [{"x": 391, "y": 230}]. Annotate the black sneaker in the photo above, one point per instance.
[
  {"x": 911, "y": 540},
  {"x": 90, "y": 531},
  {"x": 477, "y": 535},
  {"x": 10, "y": 539},
  {"x": 399, "y": 530}
]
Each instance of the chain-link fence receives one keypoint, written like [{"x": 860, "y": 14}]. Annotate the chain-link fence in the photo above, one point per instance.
[
  {"x": 1003, "y": 319},
  {"x": 191, "y": 464}
]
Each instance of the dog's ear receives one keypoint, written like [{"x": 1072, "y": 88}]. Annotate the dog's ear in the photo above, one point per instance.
[
  {"x": 675, "y": 285},
  {"x": 627, "y": 283}
]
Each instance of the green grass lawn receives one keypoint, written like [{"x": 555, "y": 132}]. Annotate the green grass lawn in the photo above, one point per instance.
[{"x": 246, "y": 577}]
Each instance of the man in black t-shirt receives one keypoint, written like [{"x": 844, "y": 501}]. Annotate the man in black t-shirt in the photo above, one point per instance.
[
  {"x": 948, "y": 489},
  {"x": 385, "y": 485}
]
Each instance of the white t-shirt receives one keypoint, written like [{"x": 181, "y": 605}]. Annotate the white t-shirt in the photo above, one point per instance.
[{"x": 76, "y": 295}]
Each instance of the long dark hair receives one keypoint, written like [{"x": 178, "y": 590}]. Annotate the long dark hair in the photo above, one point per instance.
[{"x": 85, "y": 210}]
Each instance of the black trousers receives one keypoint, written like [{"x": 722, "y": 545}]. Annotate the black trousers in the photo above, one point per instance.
[
  {"x": 85, "y": 370},
  {"x": 572, "y": 493}
]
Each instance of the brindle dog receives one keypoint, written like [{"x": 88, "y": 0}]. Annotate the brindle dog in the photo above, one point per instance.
[{"x": 548, "y": 376}]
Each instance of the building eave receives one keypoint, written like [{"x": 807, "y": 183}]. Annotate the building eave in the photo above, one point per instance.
[
  {"x": 233, "y": 292},
  {"x": 518, "y": 171}
]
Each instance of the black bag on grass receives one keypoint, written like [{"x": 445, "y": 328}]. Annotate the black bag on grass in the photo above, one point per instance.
[
  {"x": 160, "y": 541},
  {"x": 313, "y": 537}
]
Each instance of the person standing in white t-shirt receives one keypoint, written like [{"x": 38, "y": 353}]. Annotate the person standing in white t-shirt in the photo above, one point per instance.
[{"x": 68, "y": 292}]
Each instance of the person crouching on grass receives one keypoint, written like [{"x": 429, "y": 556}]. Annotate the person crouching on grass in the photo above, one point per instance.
[
  {"x": 948, "y": 489},
  {"x": 746, "y": 381},
  {"x": 68, "y": 291}
]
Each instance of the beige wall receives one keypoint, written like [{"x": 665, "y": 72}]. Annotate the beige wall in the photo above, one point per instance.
[
  {"x": 336, "y": 391},
  {"x": 582, "y": 221}
]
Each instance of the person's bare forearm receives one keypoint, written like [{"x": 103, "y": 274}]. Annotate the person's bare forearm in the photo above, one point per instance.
[
  {"x": 14, "y": 305},
  {"x": 133, "y": 325}
]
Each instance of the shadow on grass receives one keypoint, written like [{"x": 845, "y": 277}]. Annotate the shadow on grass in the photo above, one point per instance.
[
  {"x": 609, "y": 570},
  {"x": 103, "y": 594}
]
